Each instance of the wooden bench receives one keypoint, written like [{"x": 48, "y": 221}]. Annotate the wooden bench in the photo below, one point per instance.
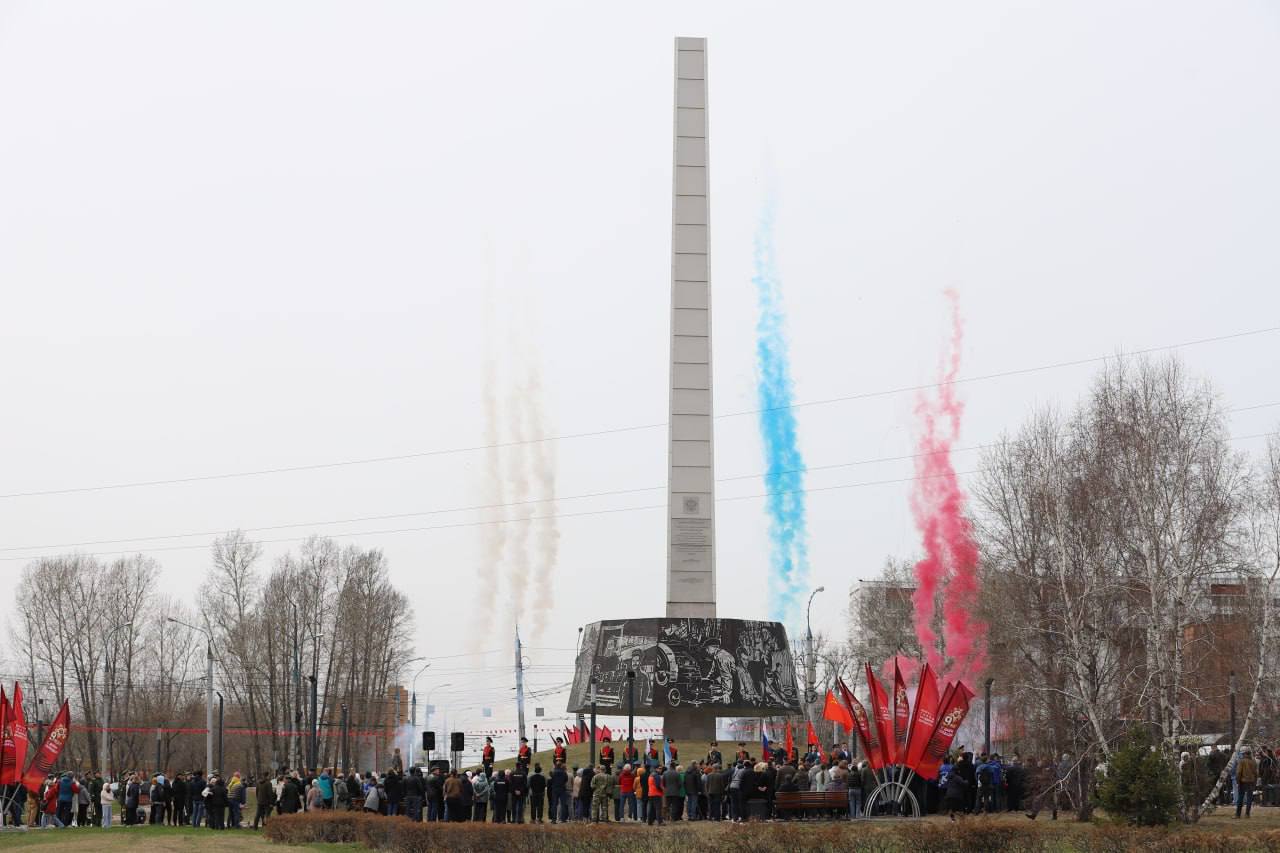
[{"x": 811, "y": 800}]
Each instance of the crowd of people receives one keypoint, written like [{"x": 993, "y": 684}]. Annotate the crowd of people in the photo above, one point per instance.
[{"x": 649, "y": 786}]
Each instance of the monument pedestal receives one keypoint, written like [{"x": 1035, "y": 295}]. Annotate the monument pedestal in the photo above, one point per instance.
[{"x": 695, "y": 726}]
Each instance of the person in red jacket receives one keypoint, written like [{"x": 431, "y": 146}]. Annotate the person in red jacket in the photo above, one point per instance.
[
  {"x": 50, "y": 806},
  {"x": 523, "y": 755},
  {"x": 626, "y": 803},
  {"x": 486, "y": 756},
  {"x": 561, "y": 754},
  {"x": 606, "y": 755},
  {"x": 630, "y": 755}
]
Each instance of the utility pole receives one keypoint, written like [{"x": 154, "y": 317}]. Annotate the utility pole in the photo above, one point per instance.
[
  {"x": 346, "y": 760},
  {"x": 313, "y": 733},
  {"x": 295, "y": 747},
  {"x": 221, "y": 737},
  {"x": 519, "y": 685},
  {"x": 986, "y": 739},
  {"x": 593, "y": 721},
  {"x": 631, "y": 708},
  {"x": 1231, "y": 687}
]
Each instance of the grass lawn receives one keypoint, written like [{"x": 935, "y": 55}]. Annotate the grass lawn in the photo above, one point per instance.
[
  {"x": 146, "y": 838},
  {"x": 710, "y": 835}
]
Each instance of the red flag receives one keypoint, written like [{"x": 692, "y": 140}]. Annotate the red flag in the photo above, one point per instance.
[
  {"x": 788, "y": 742},
  {"x": 951, "y": 713},
  {"x": 6, "y": 739},
  {"x": 837, "y": 713},
  {"x": 814, "y": 742},
  {"x": 605, "y": 733},
  {"x": 47, "y": 755},
  {"x": 584, "y": 734},
  {"x": 883, "y": 719},
  {"x": 901, "y": 714},
  {"x": 924, "y": 716},
  {"x": 21, "y": 737},
  {"x": 868, "y": 733}
]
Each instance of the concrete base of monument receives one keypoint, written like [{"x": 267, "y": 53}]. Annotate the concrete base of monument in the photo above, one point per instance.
[{"x": 695, "y": 726}]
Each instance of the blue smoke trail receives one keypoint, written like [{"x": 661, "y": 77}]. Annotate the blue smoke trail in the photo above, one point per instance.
[{"x": 784, "y": 466}]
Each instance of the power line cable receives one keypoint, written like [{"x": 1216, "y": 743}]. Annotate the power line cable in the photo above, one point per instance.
[
  {"x": 535, "y": 501},
  {"x": 317, "y": 466}
]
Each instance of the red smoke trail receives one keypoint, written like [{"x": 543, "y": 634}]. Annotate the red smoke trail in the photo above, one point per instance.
[{"x": 950, "y": 562}]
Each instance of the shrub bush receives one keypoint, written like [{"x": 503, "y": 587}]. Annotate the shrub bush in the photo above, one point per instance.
[
  {"x": 1141, "y": 785},
  {"x": 400, "y": 835}
]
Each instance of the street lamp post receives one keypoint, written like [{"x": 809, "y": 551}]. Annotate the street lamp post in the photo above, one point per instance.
[
  {"x": 427, "y": 722},
  {"x": 104, "y": 748},
  {"x": 811, "y": 664},
  {"x": 413, "y": 710},
  {"x": 208, "y": 692}
]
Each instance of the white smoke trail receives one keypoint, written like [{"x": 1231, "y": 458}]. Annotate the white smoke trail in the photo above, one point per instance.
[
  {"x": 547, "y": 533},
  {"x": 494, "y": 487}
]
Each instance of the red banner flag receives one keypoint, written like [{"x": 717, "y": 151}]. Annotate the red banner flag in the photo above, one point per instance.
[
  {"x": 924, "y": 716},
  {"x": 789, "y": 742},
  {"x": 867, "y": 731},
  {"x": 901, "y": 714},
  {"x": 6, "y": 738},
  {"x": 814, "y": 743},
  {"x": 21, "y": 737},
  {"x": 605, "y": 733},
  {"x": 951, "y": 713},
  {"x": 883, "y": 717},
  {"x": 837, "y": 713},
  {"x": 47, "y": 755}
]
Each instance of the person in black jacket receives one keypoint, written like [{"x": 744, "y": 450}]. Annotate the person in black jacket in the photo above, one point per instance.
[
  {"x": 584, "y": 793},
  {"x": 969, "y": 771},
  {"x": 290, "y": 796},
  {"x": 501, "y": 787},
  {"x": 178, "y": 801},
  {"x": 957, "y": 792},
  {"x": 435, "y": 796},
  {"x": 216, "y": 803},
  {"x": 468, "y": 796},
  {"x": 519, "y": 790},
  {"x": 537, "y": 790},
  {"x": 558, "y": 788},
  {"x": 414, "y": 792},
  {"x": 393, "y": 783},
  {"x": 266, "y": 797},
  {"x": 354, "y": 793}
]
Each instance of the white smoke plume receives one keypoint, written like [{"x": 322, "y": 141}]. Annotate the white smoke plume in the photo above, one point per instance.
[{"x": 519, "y": 556}]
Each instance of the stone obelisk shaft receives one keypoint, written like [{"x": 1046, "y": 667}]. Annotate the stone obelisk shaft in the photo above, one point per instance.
[{"x": 691, "y": 561}]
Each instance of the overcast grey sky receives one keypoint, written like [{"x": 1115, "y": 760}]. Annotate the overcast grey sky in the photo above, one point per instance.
[{"x": 242, "y": 235}]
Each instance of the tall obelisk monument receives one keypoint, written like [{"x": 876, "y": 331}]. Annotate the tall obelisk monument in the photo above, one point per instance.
[
  {"x": 691, "y": 555},
  {"x": 676, "y": 665},
  {"x": 691, "y": 532}
]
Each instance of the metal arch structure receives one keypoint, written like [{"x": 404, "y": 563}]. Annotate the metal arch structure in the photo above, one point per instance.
[{"x": 892, "y": 791}]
